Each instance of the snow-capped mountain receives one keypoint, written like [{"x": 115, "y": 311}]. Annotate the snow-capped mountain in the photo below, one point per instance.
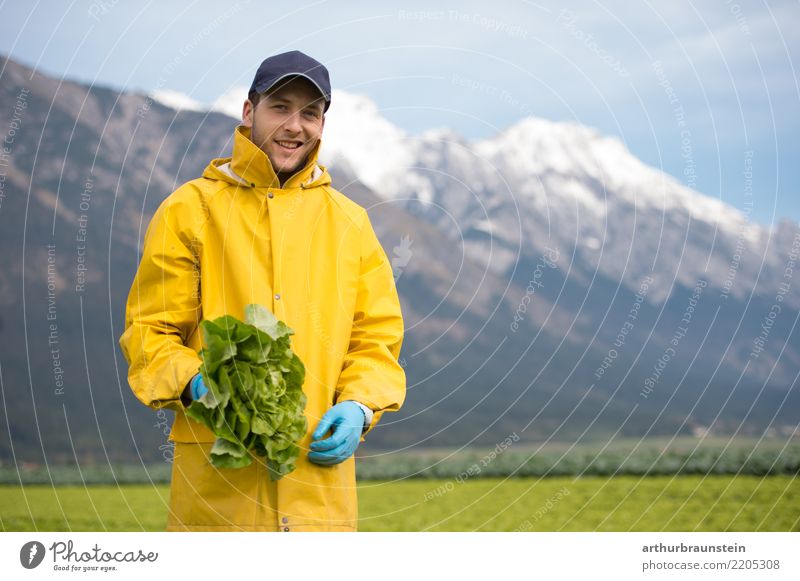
[{"x": 542, "y": 182}]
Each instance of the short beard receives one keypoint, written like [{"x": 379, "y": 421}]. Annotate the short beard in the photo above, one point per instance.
[{"x": 282, "y": 175}]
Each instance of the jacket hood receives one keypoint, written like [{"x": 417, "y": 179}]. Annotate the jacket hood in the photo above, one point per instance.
[{"x": 250, "y": 166}]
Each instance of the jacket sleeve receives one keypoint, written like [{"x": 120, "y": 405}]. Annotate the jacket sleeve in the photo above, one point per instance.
[
  {"x": 371, "y": 373},
  {"x": 163, "y": 310}
]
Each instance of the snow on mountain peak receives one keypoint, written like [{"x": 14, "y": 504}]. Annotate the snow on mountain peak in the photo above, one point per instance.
[
  {"x": 356, "y": 131},
  {"x": 177, "y": 100},
  {"x": 539, "y": 145},
  {"x": 582, "y": 155},
  {"x": 230, "y": 103}
]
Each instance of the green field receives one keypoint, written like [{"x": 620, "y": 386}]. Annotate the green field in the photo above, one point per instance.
[{"x": 622, "y": 503}]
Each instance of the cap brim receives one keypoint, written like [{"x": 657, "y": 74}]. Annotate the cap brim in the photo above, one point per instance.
[{"x": 327, "y": 98}]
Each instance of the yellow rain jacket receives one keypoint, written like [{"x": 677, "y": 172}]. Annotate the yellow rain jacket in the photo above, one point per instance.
[{"x": 307, "y": 252}]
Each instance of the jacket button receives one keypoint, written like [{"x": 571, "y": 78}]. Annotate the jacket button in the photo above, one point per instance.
[
  {"x": 286, "y": 529},
  {"x": 252, "y": 184},
  {"x": 284, "y": 520},
  {"x": 271, "y": 195},
  {"x": 277, "y": 297}
]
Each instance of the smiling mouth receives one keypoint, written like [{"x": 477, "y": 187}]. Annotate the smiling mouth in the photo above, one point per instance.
[{"x": 289, "y": 145}]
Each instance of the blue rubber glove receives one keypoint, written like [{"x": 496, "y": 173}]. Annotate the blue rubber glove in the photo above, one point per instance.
[
  {"x": 197, "y": 388},
  {"x": 347, "y": 420}
]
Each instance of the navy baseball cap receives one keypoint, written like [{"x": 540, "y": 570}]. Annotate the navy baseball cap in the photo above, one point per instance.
[{"x": 288, "y": 64}]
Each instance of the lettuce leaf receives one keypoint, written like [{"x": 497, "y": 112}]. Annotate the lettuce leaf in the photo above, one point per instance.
[{"x": 255, "y": 400}]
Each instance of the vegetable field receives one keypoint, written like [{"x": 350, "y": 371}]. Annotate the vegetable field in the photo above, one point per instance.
[{"x": 588, "y": 503}]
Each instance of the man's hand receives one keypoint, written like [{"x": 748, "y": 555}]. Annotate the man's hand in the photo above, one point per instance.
[
  {"x": 347, "y": 420},
  {"x": 198, "y": 388},
  {"x": 194, "y": 390}
]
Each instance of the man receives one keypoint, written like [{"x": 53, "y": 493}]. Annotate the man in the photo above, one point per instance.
[{"x": 265, "y": 226}]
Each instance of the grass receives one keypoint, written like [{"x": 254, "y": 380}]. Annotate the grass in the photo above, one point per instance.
[
  {"x": 716, "y": 503},
  {"x": 622, "y": 503},
  {"x": 132, "y": 507}
]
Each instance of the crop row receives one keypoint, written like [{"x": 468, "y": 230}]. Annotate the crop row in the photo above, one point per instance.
[{"x": 643, "y": 462}]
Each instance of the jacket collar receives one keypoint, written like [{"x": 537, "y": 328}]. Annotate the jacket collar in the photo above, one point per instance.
[{"x": 254, "y": 168}]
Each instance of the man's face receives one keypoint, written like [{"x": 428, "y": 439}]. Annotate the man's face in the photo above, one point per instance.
[{"x": 286, "y": 123}]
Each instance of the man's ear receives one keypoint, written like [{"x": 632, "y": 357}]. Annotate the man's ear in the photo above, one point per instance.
[{"x": 247, "y": 113}]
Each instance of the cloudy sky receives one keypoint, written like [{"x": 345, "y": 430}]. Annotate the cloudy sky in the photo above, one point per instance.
[{"x": 695, "y": 88}]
